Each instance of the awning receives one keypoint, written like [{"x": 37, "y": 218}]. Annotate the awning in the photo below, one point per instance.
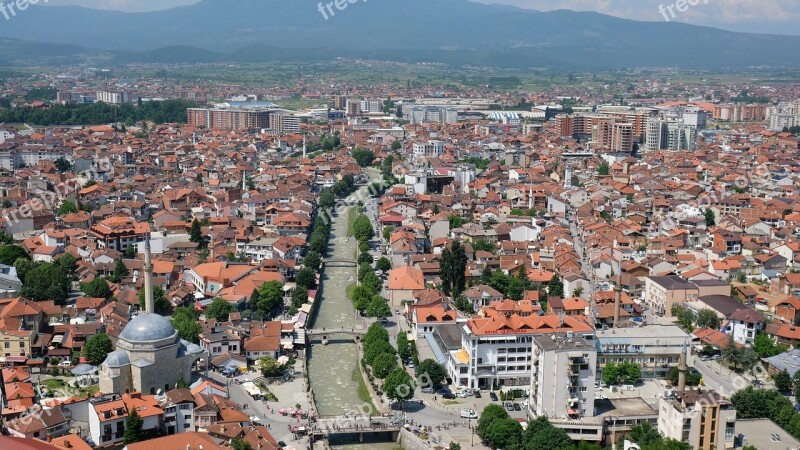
[{"x": 16, "y": 359}]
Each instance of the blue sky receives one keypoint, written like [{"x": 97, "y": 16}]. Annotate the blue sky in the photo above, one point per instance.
[{"x": 757, "y": 16}]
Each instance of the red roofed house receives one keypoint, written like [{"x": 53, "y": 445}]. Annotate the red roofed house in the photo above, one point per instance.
[{"x": 403, "y": 281}]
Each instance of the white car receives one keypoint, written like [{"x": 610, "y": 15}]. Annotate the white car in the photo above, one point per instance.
[
  {"x": 464, "y": 393},
  {"x": 469, "y": 414}
]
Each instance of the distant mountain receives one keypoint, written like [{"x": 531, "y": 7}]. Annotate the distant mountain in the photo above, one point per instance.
[{"x": 453, "y": 31}]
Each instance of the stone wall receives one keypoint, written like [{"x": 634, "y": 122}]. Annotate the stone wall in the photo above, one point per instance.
[{"x": 410, "y": 441}]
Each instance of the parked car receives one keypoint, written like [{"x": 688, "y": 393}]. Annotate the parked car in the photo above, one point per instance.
[
  {"x": 446, "y": 393},
  {"x": 469, "y": 414},
  {"x": 477, "y": 394},
  {"x": 517, "y": 407},
  {"x": 464, "y": 393},
  {"x": 509, "y": 406},
  {"x": 493, "y": 396},
  {"x": 428, "y": 390}
]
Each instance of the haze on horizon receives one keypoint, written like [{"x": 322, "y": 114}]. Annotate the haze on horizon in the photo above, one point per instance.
[{"x": 754, "y": 16}]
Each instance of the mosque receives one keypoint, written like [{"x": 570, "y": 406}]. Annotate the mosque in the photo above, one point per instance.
[{"x": 150, "y": 355}]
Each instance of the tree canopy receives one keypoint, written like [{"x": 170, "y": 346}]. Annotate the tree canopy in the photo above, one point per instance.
[
  {"x": 219, "y": 309},
  {"x": 9, "y": 254},
  {"x": 364, "y": 157},
  {"x": 97, "y": 347}
]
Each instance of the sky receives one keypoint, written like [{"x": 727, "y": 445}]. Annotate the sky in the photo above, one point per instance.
[{"x": 756, "y": 16}]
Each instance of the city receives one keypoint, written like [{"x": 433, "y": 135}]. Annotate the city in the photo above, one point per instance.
[{"x": 407, "y": 245}]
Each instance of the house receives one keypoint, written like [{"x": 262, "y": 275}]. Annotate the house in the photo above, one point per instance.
[
  {"x": 427, "y": 319},
  {"x": 744, "y": 324},
  {"x": 403, "y": 281},
  {"x": 572, "y": 306},
  {"x": 482, "y": 295}
]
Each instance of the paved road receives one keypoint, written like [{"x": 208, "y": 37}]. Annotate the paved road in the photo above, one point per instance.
[{"x": 724, "y": 381}]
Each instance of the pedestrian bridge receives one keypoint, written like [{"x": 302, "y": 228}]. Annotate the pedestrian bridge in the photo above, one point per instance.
[
  {"x": 325, "y": 334},
  {"x": 339, "y": 262},
  {"x": 326, "y": 427}
]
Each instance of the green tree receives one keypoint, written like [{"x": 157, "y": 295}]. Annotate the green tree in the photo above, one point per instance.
[
  {"x": 383, "y": 264},
  {"x": 196, "y": 233},
  {"x": 9, "y": 254},
  {"x": 306, "y": 277},
  {"x": 686, "y": 317},
  {"x": 603, "y": 170},
  {"x": 693, "y": 377},
  {"x": 23, "y": 266},
  {"x": 371, "y": 352},
  {"x": 555, "y": 288},
  {"x": 362, "y": 228},
  {"x": 621, "y": 373},
  {"x": 185, "y": 320},
  {"x": 542, "y": 434},
  {"x": 375, "y": 333},
  {"x": 463, "y": 304},
  {"x": 365, "y": 257},
  {"x": 68, "y": 265},
  {"x": 766, "y": 347},
  {"x": 399, "y": 385},
  {"x": 403, "y": 347},
  {"x": 483, "y": 245},
  {"x": 378, "y": 307},
  {"x": 219, "y": 309},
  {"x": 783, "y": 381},
  {"x": 709, "y": 217},
  {"x": 97, "y": 347},
  {"x": 455, "y": 221},
  {"x": 312, "y": 260},
  {"x": 384, "y": 365},
  {"x": 46, "y": 281},
  {"x": 327, "y": 199},
  {"x": 133, "y": 427},
  {"x": 97, "y": 288},
  {"x": 707, "y": 318},
  {"x": 505, "y": 432},
  {"x": 67, "y": 207},
  {"x": 372, "y": 282},
  {"x": 452, "y": 269},
  {"x": 362, "y": 296},
  {"x": 751, "y": 403},
  {"x": 62, "y": 164},
  {"x": 363, "y": 157},
  {"x": 490, "y": 415},
  {"x": 387, "y": 232},
  {"x": 120, "y": 271},
  {"x": 238, "y": 443},
  {"x": 160, "y": 301},
  {"x": 432, "y": 371},
  {"x": 269, "y": 366},
  {"x": 396, "y": 145},
  {"x": 644, "y": 434},
  {"x": 270, "y": 298}
]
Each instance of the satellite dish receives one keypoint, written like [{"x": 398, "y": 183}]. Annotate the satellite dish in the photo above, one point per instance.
[{"x": 158, "y": 392}]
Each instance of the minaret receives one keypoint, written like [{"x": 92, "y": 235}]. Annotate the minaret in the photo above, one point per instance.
[
  {"x": 149, "y": 303},
  {"x": 304, "y": 146}
]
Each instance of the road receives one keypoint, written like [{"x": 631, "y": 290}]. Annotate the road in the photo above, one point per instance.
[{"x": 718, "y": 377}]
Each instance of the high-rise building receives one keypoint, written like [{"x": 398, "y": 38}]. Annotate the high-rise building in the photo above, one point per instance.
[
  {"x": 113, "y": 98},
  {"x": 701, "y": 418},
  {"x": 282, "y": 122},
  {"x": 418, "y": 114},
  {"x": 353, "y": 107},
  {"x": 610, "y": 134},
  {"x": 371, "y": 106},
  {"x": 229, "y": 118},
  {"x": 430, "y": 149}
]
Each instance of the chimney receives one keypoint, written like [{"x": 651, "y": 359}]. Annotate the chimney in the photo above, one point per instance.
[
  {"x": 682, "y": 370},
  {"x": 188, "y": 447}
]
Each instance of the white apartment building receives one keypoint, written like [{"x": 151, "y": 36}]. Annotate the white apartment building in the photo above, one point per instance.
[
  {"x": 497, "y": 350},
  {"x": 654, "y": 348},
  {"x": 562, "y": 377},
  {"x": 430, "y": 149},
  {"x": 418, "y": 114},
  {"x": 701, "y": 418},
  {"x": 113, "y": 98},
  {"x": 371, "y": 106}
]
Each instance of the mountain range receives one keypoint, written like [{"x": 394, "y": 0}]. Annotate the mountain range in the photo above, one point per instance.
[{"x": 450, "y": 31}]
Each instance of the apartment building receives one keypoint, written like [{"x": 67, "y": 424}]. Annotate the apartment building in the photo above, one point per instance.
[
  {"x": 734, "y": 112},
  {"x": 562, "y": 377},
  {"x": 113, "y": 97},
  {"x": 701, "y": 418},
  {"x": 497, "y": 349},
  {"x": 119, "y": 233},
  {"x": 613, "y": 134},
  {"x": 418, "y": 114},
  {"x": 283, "y": 123},
  {"x": 430, "y": 149},
  {"x": 226, "y": 118},
  {"x": 661, "y": 292},
  {"x": 655, "y": 348}
]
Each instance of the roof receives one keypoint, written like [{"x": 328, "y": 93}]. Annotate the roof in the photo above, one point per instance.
[
  {"x": 147, "y": 328},
  {"x": 760, "y": 433},
  {"x": 788, "y": 361},
  {"x": 406, "y": 278},
  {"x": 180, "y": 441}
]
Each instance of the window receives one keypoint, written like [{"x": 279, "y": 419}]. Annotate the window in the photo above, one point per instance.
[
  {"x": 730, "y": 428},
  {"x": 7, "y": 344}
]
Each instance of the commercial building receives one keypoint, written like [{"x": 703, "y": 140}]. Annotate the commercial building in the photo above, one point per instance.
[
  {"x": 654, "y": 348},
  {"x": 701, "y": 418}
]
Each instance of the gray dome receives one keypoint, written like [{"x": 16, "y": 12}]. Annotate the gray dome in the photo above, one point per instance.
[
  {"x": 191, "y": 348},
  {"x": 147, "y": 328},
  {"x": 117, "y": 358}
]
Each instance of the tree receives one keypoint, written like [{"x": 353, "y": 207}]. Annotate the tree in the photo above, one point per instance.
[
  {"x": 463, "y": 304},
  {"x": 269, "y": 366},
  {"x": 644, "y": 434},
  {"x": 686, "y": 317},
  {"x": 219, "y": 309},
  {"x": 542, "y": 434},
  {"x": 403, "y": 348},
  {"x": 299, "y": 296},
  {"x": 185, "y": 321},
  {"x": 46, "y": 282},
  {"x": 505, "y": 432},
  {"x": 766, "y": 347},
  {"x": 783, "y": 381},
  {"x": 396, "y": 145},
  {"x": 384, "y": 365},
  {"x": 312, "y": 260},
  {"x": 490, "y": 415},
  {"x": 740, "y": 358},
  {"x": 62, "y": 164},
  {"x": 399, "y": 385},
  {"x": 555, "y": 288},
  {"x": 365, "y": 257},
  {"x": 160, "y": 301},
  {"x": 97, "y": 288},
  {"x": 621, "y": 373},
  {"x": 120, "y": 271},
  {"x": 483, "y": 245},
  {"x": 362, "y": 228},
  {"x": 67, "y": 207},
  {"x": 269, "y": 300},
  {"x": 238, "y": 443},
  {"x": 196, "y": 233},
  {"x": 133, "y": 427},
  {"x": 364, "y": 157},
  {"x": 452, "y": 269},
  {"x": 23, "y": 266},
  {"x": 751, "y": 403},
  {"x": 379, "y": 307},
  {"x": 375, "y": 333},
  {"x": 97, "y": 347},
  {"x": 693, "y": 377},
  {"x": 603, "y": 170},
  {"x": 373, "y": 351},
  {"x": 383, "y": 264},
  {"x": 306, "y": 277},
  {"x": 707, "y": 318},
  {"x": 372, "y": 282},
  {"x": 455, "y": 221},
  {"x": 432, "y": 371},
  {"x": 709, "y": 217},
  {"x": 9, "y": 254},
  {"x": 362, "y": 296}
]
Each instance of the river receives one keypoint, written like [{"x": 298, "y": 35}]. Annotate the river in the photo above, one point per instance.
[{"x": 331, "y": 367}]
